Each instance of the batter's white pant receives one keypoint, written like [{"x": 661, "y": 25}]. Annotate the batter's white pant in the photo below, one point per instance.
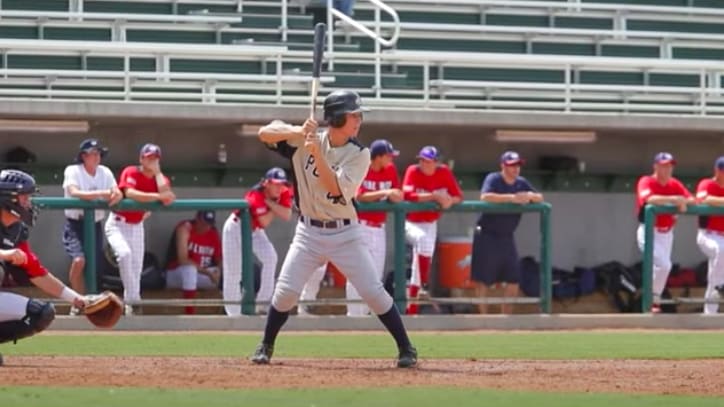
[
  {"x": 312, "y": 247},
  {"x": 712, "y": 245},
  {"x": 13, "y": 307},
  {"x": 376, "y": 240},
  {"x": 127, "y": 242},
  {"x": 422, "y": 236},
  {"x": 188, "y": 278},
  {"x": 311, "y": 288},
  {"x": 663, "y": 242},
  {"x": 231, "y": 262}
]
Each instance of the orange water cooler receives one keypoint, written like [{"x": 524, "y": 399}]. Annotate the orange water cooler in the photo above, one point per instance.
[{"x": 454, "y": 256}]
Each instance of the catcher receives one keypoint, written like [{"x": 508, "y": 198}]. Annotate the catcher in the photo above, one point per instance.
[{"x": 22, "y": 317}]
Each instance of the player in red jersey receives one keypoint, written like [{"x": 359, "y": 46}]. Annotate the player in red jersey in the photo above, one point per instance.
[
  {"x": 194, "y": 256},
  {"x": 660, "y": 188},
  {"x": 124, "y": 229},
  {"x": 426, "y": 181},
  {"x": 270, "y": 198},
  {"x": 710, "y": 237}
]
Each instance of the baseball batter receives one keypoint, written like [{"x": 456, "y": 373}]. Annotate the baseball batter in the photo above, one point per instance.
[
  {"x": 660, "y": 188},
  {"x": 124, "y": 229},
  {"x": 329, "y": 168},
  {"x": 710, "y": 237},
  {"x": 270, "y": 198},
  {"x": 22, "y": 317},
  {"x": 428, "y": 180}
]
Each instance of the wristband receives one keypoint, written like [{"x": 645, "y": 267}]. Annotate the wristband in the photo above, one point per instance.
[
  {"x": 69, "y": 294},
  {"x": 160, "y": 180}
]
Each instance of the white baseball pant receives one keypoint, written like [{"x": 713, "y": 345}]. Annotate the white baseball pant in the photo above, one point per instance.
[
  {"x": 376, "y": 239},
  {"x": 231, "y": 259},
  {"x": 712, "y": 245},
  {"x": 188, "y": 278},
  {"x": 422, "y": 236},
  {"x": 127, "y": 242},
  {"x": 311, "y": 288},
  {"x": 311, "y": 248},
  {"x": 13, "y": 307},
  {"x": 663, "y": 242}
]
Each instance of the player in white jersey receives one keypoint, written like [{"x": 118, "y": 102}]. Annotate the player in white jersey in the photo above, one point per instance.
[
  {"x": 86, "y": 179},
  {"x": 329, "y": 168}
]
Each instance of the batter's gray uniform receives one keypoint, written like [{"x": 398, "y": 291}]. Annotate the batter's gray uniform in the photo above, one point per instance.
[{"x": 328, "y": 229}]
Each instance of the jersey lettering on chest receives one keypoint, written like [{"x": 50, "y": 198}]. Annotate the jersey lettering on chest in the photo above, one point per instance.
[{"x": 376, "y": 185}]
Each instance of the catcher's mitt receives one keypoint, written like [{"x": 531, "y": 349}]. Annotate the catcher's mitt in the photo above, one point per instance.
[{"x": 104, "y": 310}]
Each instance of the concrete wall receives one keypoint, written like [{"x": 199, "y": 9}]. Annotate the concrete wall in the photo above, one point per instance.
[{"x": 588, "y": 229}]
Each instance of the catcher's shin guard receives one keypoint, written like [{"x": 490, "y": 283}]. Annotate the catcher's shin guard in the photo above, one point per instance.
[{"x": 38, "y": 317}]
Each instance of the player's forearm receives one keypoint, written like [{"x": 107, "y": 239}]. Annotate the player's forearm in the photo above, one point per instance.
[
  {"x": 663, "y": 199},
  {"x": 51, "y": 286},
  {"x": 279, "y": 210},
  {"x": 419, "y": 196},
  {"x": 89, "y": 195},
  {"x": 327, "y": 177},
  {"x": 372, "y": 196},
  {"x": 497, "y": 198},
  {"x": 274, "y": 133},
  {"x": 139, "y": 196},
  {"x": 713, "y": 201}
]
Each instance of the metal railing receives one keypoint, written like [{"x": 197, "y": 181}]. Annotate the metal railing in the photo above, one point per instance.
[
  {"x": 399, "y": 211},
  {"x": 650, "y": 213},
  {"x": 89, "y": 242}
]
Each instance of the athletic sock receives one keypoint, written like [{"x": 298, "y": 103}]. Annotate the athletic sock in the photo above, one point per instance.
[
  {"x": 392, "y": 321},
  {"x": 274, "y": 322},
  {"x": 423, "y": 263},
  {"x": 189, "y": 295}
]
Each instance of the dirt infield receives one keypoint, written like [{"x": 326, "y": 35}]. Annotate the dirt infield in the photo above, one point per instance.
[{"x": 688, "y": 377}]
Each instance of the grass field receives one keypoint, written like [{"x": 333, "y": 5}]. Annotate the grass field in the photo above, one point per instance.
[{"x": 463, "y": 346}]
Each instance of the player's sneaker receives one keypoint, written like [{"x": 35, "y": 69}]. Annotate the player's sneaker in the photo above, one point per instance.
[
  {"x": 407, "y": 357},
  {"x": 1, "y": 359},
  {"x": 127, "y": 310},
  {"x": 74, "y": 311},
  {"x": 263, "y": 354},
  {"x": 656, "y": 309}
]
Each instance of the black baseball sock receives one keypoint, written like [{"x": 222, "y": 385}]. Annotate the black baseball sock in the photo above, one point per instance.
[
  {"x": 274, "y": 322},
  {"x": 392, "y": 321}
]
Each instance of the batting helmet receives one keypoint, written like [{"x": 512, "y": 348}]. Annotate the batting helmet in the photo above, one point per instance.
[
  {"x": 12, "y": 184},
  {"x": 340, "y": 102},
  {"x": 90, "y": 144}
]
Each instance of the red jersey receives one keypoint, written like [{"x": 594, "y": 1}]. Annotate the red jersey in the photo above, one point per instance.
[
  {"x": 709, "y": 187},
  {"x": 647, "y": 186},
  {"x": 204, "y": 249},
  {"x": 415, "y": 182},
  {"x": 386, "y": 178},
  {"x": 132, "y": 177},
  {"x": 258, "y": 207}
]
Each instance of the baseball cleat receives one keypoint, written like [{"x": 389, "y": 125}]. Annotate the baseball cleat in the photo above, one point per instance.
[
  {"x": 407, "y": 357},
  {"x": 1, "y": 359},
  {"x": 263, "y": 354}
]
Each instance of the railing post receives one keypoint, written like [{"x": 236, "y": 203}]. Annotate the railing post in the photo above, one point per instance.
[
  {"x": 285, "y": 20},
  {"x": 330, "y": 36},
  {"x": 248, "y": 300},
  {"x": 648, "y": 260},
  {"x": 400, "y": 264},
  {"x": 546, "y": 286},
  {"x": 89, "y": 249}
]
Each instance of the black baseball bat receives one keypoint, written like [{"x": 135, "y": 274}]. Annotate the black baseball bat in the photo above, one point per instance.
[{"x": 319, "y": 34}]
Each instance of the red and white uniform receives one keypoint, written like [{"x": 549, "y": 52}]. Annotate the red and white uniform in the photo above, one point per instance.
[
  {"x": 646, "y": 187},
  {"x": 373, "y": 226},
  {"x": 421, "y": 227},
  {"x": 13, "y": 307},
  {"x": 260, "y": 244},
  {"x": 710, "y": 240},
  {"x": 125, "y": 233},
  {"x": 204, "y": 250}
]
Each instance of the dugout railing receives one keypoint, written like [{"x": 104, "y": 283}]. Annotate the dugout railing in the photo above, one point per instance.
[
  {"x": 398, "y": 210},
  {"x": 650, "y": 212}
]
